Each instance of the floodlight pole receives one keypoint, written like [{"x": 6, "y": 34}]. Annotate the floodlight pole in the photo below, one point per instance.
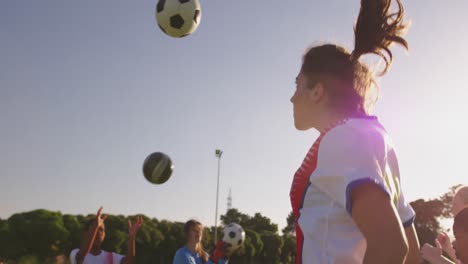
[{"x": 218, "y": 154}]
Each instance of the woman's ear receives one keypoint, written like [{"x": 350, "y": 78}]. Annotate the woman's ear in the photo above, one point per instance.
[{"x": 317, "y": 93}]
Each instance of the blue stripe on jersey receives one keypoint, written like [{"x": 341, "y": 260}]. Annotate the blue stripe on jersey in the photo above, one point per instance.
[{"x": 409, "y": 222}]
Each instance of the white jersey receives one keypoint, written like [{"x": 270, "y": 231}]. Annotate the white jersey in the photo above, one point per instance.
[
  {"x": 103, "y": 258},
  {"x": 354, "y": 152}
]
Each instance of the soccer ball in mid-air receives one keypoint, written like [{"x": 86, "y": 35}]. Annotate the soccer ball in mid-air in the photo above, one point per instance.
[
  {"x": 233, "y": 236},
  {"x": 178, "y": 18},
  {"x": 157, "y": 167}
]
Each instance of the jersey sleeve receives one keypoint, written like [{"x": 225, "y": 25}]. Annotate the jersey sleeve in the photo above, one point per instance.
[
  {"x": 406, "y": 212},
  {"x": 181, "y": 258},
  {"x": 73, "y": 256},
  {"x": 346, "y": 159},
  {"x": 117, "y": 258}
]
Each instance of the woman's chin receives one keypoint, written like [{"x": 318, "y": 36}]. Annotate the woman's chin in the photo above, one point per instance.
[{"x": 301, "y": 127}]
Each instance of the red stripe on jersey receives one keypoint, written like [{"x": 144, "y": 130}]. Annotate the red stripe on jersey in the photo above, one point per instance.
[
  {"x": 300, "y": 184},
  {"x": 298, "y": 189},
  {"x": 301, "y": 177}
]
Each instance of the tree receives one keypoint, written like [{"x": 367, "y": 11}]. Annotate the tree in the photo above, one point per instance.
[
  {"x": 290, "y": 228},
  {"x": 173, "y": 239},
  {"x": 148, "y": 241},
  {"x": 252, "y": 246},
  {"x": 261, "y": 223},
  {"x": 10, "y": 245},
  {"x": 272, "y": 244},
  {"x": 256, "y": 244},
  {"x": 28, "y": 259},
  {"x": 116, "y": 234},
  {"x": 75, "y": 229},
  {"x": 40, "y": 233},
  {"x": 426, "y": 222},
  {"x": 429, "y": 213},
  {"x": 258, "y": 222},
  {"x": 38, "y": 236},
  {"x": 234, "y": 216},
  {"x": 208, "y": 238},
  {"x": 447, "y": 199},
  {"x": 288, "y": 251}
]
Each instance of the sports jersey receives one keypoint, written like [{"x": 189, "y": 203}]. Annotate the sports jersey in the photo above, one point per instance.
[
  {"x": 185, "y": 256},
  {"x": 350, "y": 153},
  {"x": 103, "y": 258}
]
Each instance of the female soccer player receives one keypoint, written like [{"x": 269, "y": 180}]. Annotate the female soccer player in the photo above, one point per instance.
[
  {"x": 90, "y": 251},
  {"x": 433, "y": 254},
  {"x": 460, "y": 245},
  {"x": 193, "y": 253},
  {"x": 346, "y": 196},
  {"x": 460, "y": 230}
]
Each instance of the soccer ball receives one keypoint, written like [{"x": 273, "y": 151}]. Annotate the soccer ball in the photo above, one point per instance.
[
  {"x": 233, "y": 236},
  {"x": 157, "y": 168},
  {"x": 178, "y": 18}
]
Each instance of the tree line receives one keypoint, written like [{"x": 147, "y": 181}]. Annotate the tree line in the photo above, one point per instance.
[{"x": 40, "y": 236}]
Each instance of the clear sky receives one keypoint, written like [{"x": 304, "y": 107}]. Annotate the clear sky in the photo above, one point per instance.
[{"x": 89, "y": 88}]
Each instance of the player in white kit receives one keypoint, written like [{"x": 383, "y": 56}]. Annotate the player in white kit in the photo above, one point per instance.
[{"x": 346, "y": 196}]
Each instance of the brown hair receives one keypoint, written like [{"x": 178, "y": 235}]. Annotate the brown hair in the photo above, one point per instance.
[
  {"x": 347, "y": 80},
  {"x": 187, "y": 227}
]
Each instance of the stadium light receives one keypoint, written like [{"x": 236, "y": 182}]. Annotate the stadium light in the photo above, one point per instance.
[{"x": 218, "y": 154}]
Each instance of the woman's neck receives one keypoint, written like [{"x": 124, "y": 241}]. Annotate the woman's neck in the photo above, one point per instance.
[
  {"x": 192, "y": 247},
  {"x": 95, "y": 250},
  {"x": 327, "y": 120}
]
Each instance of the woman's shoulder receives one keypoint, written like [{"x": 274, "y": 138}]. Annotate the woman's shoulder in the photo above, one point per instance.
[
  {"x": 182, "y": 251},
  {"x": 183, "y": 256},
  {"x": 356, "y": 129},
  {"x": 364, "y": 136}
]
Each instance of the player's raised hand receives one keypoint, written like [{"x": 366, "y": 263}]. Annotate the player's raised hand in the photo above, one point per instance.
[
  {"x": 446, "y": 244},
  {"x": 219, "y": 252},
  {"x": 434, "y": 254},
  {"x": 133, "y": 228},
  {"x": 99, "y": 219},
  {"x": 444, "y": 239}
]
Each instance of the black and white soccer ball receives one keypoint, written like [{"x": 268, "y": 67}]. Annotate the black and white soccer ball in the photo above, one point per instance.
[
  {"x": 157, "y": 167},
  {"x": 178, "y": 18},
  {"x": 233, "y": 236}
]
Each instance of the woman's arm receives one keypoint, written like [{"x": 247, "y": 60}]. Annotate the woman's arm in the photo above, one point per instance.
[
  {"x": 132, "y": 231},
  {"x": 414, "y": 255},
  {"x": 377, "y": 219}
]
